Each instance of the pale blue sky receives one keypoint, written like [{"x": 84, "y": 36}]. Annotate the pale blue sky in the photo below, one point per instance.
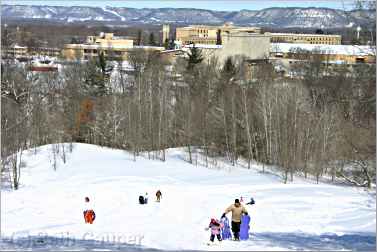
[{"x": 212, "y": 4}]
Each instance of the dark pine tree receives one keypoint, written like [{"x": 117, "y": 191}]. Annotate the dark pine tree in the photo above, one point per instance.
[
  {"x": 194, "y": 57},
  {"x": 171, "y": 45},
  {"x": 97, "y": 75},
  {"x": 229, "y": 67},
  {"x": 138, "y": 39},
  {"x": 218, "y": 37},
  {"x": 319, "y": 31},
  {"x": 166, "y": 44},
  {"x": 152, "y": 41}
]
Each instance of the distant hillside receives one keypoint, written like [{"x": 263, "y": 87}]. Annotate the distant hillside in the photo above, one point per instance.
[{"x": 271, "y": 17}]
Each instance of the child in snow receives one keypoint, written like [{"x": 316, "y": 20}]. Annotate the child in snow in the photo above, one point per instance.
[
  {"x": 89, "y": 214},
  {"x": 141, "y": 200},
  {"x": 158, "y": 195},
  {"x": 252, "y": 202},
  {"x": 146, "y": 198},
  {"x": 215, "y": 227}
]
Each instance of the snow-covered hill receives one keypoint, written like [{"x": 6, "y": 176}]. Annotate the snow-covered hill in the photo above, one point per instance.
[{"x": 46, "y": 212}]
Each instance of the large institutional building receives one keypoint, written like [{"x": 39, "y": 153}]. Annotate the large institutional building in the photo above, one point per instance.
[
  {"x": 205, "y": 34},
  {"x": 250, "y": 46},
  {"x": 306, "y": 38},
  {"x": 106, "y": 43}
]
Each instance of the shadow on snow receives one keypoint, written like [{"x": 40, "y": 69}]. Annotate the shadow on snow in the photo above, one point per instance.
[
  {"x": 304, "y": 241},
  {"x": 47, "y": 243},
  {"x": 292, "y": 241}
]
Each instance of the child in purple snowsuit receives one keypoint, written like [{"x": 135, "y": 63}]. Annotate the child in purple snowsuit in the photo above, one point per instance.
[{"x": 215, "y": 227}]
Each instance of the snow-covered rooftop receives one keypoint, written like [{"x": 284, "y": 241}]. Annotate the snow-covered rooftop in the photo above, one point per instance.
[
  {"x": 98, "y": 46},
  {"x": 359, "y": 50},
  {"x": 16, "y": 46},
  {"x": 95, "y": 46},
  {"x": 304, "y": 35},
  {"x": 150, "y": 47},
  {"x": 205, "y": 46}
]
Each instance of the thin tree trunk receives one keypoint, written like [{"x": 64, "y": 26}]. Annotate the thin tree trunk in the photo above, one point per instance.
[{"x": 250, "y": 156}]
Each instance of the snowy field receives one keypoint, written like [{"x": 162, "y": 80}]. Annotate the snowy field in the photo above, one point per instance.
[{"x": 46, "y": 212}]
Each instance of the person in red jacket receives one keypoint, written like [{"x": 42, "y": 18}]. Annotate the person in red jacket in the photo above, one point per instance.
[{"x": 89, "y": 214}]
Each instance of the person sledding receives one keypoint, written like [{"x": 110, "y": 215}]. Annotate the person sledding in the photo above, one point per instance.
[
  {"x": 89, "y": 214},
  {"x": 158, "y": 196},
  {"x": 215, "y": 227},
  {"x": 237, "y": 210},
  {"x": 251, "y": 202}
]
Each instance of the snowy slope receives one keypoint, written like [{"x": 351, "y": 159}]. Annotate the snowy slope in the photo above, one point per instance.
[{"x": 300, "y": 215}]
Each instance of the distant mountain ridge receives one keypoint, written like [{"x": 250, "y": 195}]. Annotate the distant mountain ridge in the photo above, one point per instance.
[{"x": 272, "y": 17}]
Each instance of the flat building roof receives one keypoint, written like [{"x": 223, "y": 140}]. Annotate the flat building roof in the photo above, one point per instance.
[{"x": 305, "y": 35}]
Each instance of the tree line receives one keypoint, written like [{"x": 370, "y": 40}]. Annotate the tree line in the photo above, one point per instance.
[{"x": 318, "y": 125}]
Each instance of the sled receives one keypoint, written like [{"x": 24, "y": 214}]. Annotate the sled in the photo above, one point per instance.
[
  {"x": 225, "y": 229},
  {"x": 245, "y": 227}
]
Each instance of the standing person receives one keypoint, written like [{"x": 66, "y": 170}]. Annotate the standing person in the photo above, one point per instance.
[
  {"x": 146, "y": 198},
  {"x": 141, "y": 199},
  {"x": 158, "y": 195},
  {"x": 237, "y": 210},
  {"x": 89, "y": 214},
  {"x": 215, "y": 227}
]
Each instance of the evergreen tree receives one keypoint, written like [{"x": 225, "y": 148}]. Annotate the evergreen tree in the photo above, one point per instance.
[
  {"x": 229, "y": 69},
  {"x": 218, "y": 37},
  {"x": 194, "y": 57},
  {"x": 166, "y": 44},
  {"x": 97, "y": 76},
  {"x": 138, "y": 40},
  {"x": 171, "y": 44},
  {"x": 319, "y": 31},
  {"x": 152, "y": 41},
  {"x": 75, "y": 40}
]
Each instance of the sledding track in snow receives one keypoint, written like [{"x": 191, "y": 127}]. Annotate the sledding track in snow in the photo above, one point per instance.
[{"x": 295, "y": 216}]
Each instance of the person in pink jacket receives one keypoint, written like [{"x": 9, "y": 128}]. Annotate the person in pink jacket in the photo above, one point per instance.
[{"x": 215, "y": 227}]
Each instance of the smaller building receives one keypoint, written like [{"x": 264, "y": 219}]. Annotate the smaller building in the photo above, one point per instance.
[
  {"x": 109, "y": 40},
  {"x": 24, "y": 52},
  {"x": 347, "y": 54},
  {"x": 14, "y": 51},
  {"x": 306, "y": 38},
  {"x": 256, "y": 68},
  {"x": 45, "y": 51}
]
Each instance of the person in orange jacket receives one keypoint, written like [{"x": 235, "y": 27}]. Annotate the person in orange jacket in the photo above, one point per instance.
[{"x": 89, "y": 214}]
